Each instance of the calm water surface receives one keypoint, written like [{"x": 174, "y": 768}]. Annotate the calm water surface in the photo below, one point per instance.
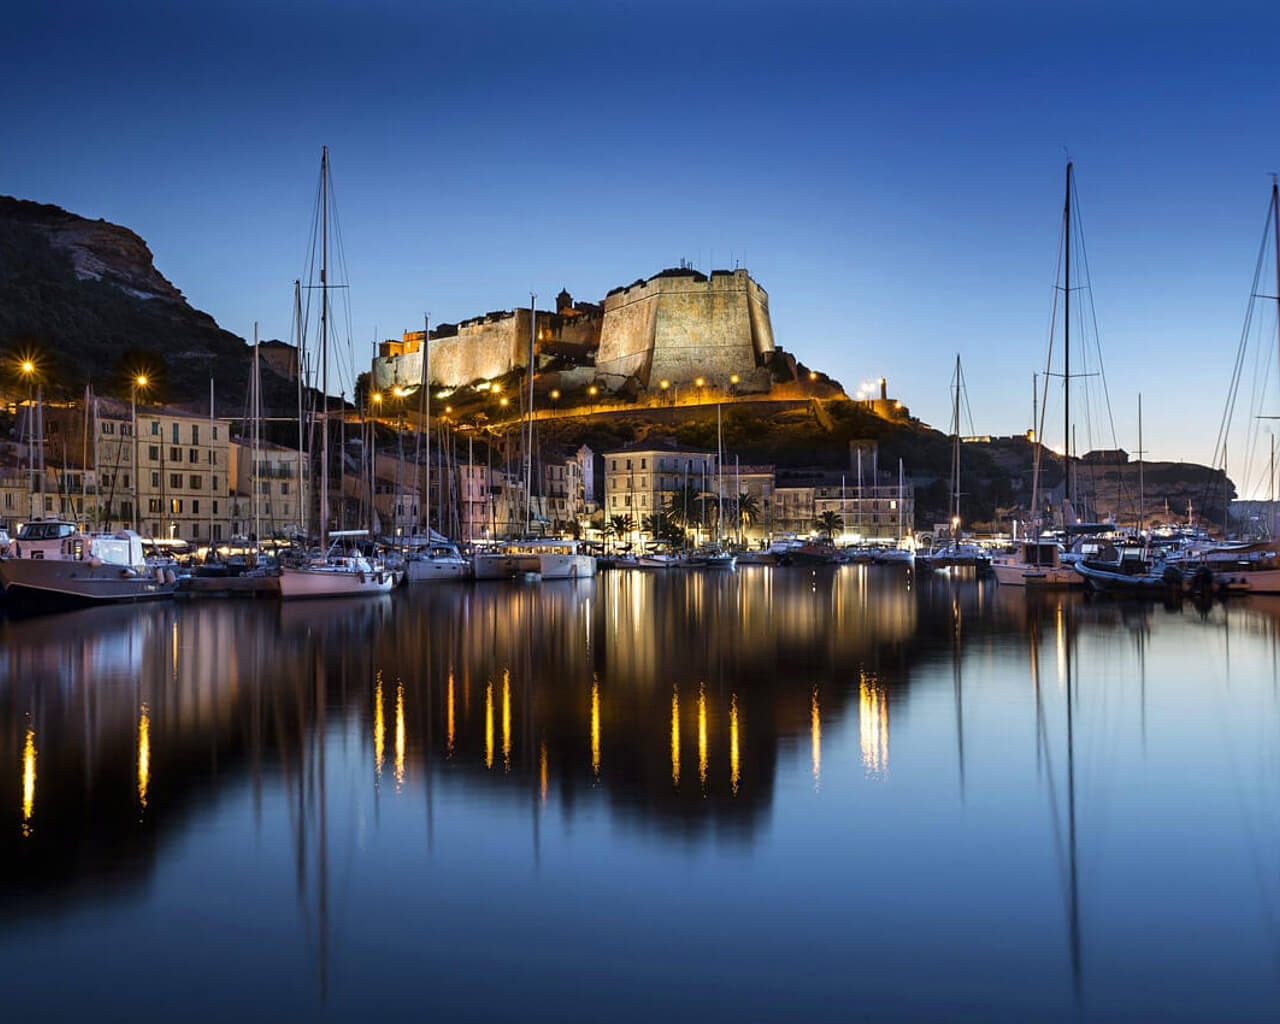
[{"x": 781, "y": 793}]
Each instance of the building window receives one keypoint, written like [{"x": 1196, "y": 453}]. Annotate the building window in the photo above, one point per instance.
[
  {"x": 642, "y": 463},
  {"x": 195, "y": 434},
  {"x": 213, "y": 457},
  {"x": 284, "y": 488},
  {"x": 217, "y": 528},
  {"x": 175, "y": 506},
  {"x": 153, "y": 452},
  {"x": 613, "y": 467},
  {"x": 195, "y": 508},
  {"x": 215, "y": 484},
  {"x": 126, "y": 481},
  {"x": 175, "y": 454},
  {"x": 193, "y": 482},
  {"x": 155, "y": 428},
  {"x": 176, "y": 439},
  {"x": 215, "y": 432},
  {"x": 175, "y": 480},
  {"x": 153, "y": 505},
  {"x": 155, "y": 479},
  {"x": 107, "y": 428},
  {"x": 215, "y": 508},
  {"x": 193, "y": 456}
]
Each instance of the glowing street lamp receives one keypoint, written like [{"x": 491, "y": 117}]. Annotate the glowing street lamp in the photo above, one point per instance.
[
  {"x": 700, "y": 382},
  {"x": 593, "y": 391},
  {"x": 813, "y": 374},
  {"x": 734, "y": 378}
]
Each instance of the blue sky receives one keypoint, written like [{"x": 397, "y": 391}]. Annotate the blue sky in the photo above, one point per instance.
[{"x": 891, "y": 173}]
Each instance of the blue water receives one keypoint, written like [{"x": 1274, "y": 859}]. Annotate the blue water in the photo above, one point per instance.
[{"x": 471, "y": 802}]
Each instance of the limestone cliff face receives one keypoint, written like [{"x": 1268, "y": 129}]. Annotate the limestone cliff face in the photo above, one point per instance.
[
  {"x": 98, "y": 250},
  {"x": 86, "y": 298}
]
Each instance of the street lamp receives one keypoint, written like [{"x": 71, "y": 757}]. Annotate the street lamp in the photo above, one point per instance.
[
  {"x": 140, "y": 381},
  {"x": 29, "y": 371},
  {"x": 593, "y": 391}
]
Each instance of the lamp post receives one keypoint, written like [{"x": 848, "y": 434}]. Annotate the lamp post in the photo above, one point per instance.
[
  {"x": 555, "y": 398},
  {"x": 29, "y": 372},
  {"x": 140, "y": 381}
]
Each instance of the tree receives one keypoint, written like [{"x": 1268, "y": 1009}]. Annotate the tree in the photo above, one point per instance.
[
  {"x": 828, "y": 523},
  {"x": 620, "y": 526},
  {"x": 748, "y": 510}
]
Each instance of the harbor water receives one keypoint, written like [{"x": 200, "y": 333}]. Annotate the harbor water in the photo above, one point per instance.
[{"x": 843, "y": 793}]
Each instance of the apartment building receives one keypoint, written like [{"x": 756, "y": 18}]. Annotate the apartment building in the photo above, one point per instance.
[
  {"x": 640, "y": 481},
  {"x": 282, "y": 486}
]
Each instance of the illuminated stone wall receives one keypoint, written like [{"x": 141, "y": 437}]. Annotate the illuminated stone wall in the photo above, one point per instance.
[{"x": 680, "y": 325}]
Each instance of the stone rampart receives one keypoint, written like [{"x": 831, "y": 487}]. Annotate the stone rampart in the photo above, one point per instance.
[{"x": 681, "y": 325}]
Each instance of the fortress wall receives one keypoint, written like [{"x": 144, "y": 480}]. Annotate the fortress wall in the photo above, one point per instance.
[
  {"x": 680, "y": 328},
  {"x": 481, "y": 350}
]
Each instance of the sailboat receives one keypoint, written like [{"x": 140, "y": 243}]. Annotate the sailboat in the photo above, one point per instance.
[
  {"x": 953, "y": 553},
  {"x": 338, "y": 571},
  {"x": 1037, "y": 561},
  {"x": 715, "y": 556}
]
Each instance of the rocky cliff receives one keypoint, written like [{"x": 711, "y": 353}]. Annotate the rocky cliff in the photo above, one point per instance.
[{"x": 86, "y": 299}]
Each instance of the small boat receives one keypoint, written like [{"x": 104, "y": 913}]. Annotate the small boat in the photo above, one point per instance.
[
  {"x": 892, "y": 556},
  {"x": 338, "y": 574},
  {"x": 1034, "y": 563},
  {"x": 712, "y": 558},
  {"x": 436, "y": 562},
  {"x": 1131, "y": 572},
  {"x": 809, "y": 554},
  {"x": 53, "y": 565}
]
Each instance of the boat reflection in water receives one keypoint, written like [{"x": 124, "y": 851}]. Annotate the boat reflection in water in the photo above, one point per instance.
[{"x": 563, "y": 782}]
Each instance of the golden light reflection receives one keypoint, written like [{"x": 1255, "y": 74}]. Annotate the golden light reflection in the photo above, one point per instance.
[
  {"x": 542, "y": 771},
  {"x": 506, "y": 721},
  {"x": 399, "y": 735},
  {"x": 450, "y": 715},
  {"x": 702, "y": 735},
  {"x": 873, "y": 726},
  {"x": 1062, "y": 651},
  {"x": 595, "y": 728},
  {"x": 379, "y": 727},
  {"x": 733, "y": 743},
  {"x": 28, "y": 780},
  {"x": 488, "y": 725},
  {"x": 675, "y": 736},
  {"x": 144, "y": 753},
  {"x": 815, "y": 732}
]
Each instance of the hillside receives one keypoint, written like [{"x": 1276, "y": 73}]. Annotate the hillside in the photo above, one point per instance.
[{"x": 86, "y": 300}]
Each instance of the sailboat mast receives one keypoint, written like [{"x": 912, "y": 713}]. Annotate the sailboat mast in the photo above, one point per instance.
[
  {"x": 297, "y": 328},
  {"x": 719, "y": 478},
  {"x": 324, "y": 349},
  {"x": 424, "y": 416},
  {"x": 955, "y": 455},
  {"x": 255, "y": 408},
  {"x": 528, "y": 447},
  {"x": 212, "y": 456},
  {"x": 1067, "y": 489},
  {"x": 1141, "y": 453}
]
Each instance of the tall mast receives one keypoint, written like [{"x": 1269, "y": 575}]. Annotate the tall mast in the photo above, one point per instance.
[
  {"x": 424, "y": 414},
  {"x": 324, "y": 349},
  {"x": 1067, "y": 489},
  {"x": 255, "y": 410},
  {"x": 297, "y": 327},
  {"x": 1141, "y": 453},
  {"x": 719, "y": 478},
  {"x": 528, "y": 448},
  {"x": 955, "y": 456},
  {"x": 212, "y": 456}
]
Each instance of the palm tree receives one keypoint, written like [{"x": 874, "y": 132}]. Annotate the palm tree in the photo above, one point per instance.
[
  {"x": 622, "y": 525},
  {"x": 828, "y": 523},
  {"x": 748, "y": 511}
]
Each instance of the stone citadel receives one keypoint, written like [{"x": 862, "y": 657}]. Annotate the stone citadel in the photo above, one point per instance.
[{"x": 677, "y": 326}]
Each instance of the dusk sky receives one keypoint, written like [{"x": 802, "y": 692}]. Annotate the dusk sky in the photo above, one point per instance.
[{"x": 892, "y": 174}]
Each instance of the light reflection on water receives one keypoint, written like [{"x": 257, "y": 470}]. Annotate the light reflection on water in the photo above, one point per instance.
[{"x": 1103, "y": 847}]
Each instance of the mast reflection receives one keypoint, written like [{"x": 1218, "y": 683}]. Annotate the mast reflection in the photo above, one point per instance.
[
  {"x": 144, "y": 754},
  {"x": 28, "y": 780}
]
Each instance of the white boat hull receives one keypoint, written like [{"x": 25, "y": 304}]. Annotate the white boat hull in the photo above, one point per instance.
[
  {"x": 1016, "y": 574},
  {"x": 1249, "y": 581},
  {"x": 566, "y": 567},
  {"x": 322, "y": 581},
  {"x": 489, "y": 566}
]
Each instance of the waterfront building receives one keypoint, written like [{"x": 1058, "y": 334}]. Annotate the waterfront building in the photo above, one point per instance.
[
  {"x": 640, "y": 480},
  {"x": 283, "y": 496}
]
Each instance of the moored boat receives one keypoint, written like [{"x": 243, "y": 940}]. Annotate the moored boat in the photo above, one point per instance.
[{"x": 54, "y": 565}]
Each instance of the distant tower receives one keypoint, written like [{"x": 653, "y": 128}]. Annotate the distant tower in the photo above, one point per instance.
[{"x": 564, "y": 301}]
